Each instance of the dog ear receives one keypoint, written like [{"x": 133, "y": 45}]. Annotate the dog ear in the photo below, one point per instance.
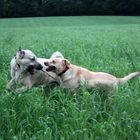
[
  {"x": 19, "y": 49},
  {"x": 21, "y": 53},
  {"x": 65, "y": 62}
]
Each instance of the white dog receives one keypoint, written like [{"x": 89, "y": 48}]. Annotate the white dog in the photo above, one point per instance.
[
  {"x": 72, "y": 76},
  {"x": 27, "y": 70}
]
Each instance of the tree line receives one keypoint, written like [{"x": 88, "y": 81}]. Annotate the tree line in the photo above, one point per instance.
[{"x": 30, "y": 8}]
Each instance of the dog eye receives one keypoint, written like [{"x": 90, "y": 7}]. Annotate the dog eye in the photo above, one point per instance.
[
  {"x": 53, "y": 61},
  {"x": 33, "y": 58}
]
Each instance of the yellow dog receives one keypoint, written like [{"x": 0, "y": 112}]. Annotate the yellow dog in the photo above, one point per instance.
[{"x": 72, "y": 76}]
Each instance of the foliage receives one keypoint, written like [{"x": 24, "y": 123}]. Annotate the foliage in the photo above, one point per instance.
[
  {"x": 109, "y": 44},
  {"x": 28, "y": 8}
]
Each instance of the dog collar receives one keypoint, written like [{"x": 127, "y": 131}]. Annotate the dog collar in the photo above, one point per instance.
[{"x": 60, "y": 74}]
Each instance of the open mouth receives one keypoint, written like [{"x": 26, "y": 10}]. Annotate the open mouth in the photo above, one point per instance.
[
  {"x": 31, "y": 68},
  {"x": 39, "y": 67},
  {"x": 50, "y": 68}
]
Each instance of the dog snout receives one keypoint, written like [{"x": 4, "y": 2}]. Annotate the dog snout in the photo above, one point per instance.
[
  {"x": 40, "y": 67},
  {"x": 46, "y": 63}
]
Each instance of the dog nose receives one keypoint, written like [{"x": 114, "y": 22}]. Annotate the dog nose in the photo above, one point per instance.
[
  {"x": 40, "y": 67},
  {"x": 46, "y": 63}
]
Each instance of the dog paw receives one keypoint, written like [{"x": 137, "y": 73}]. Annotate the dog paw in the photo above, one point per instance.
[{"x": 21, "y": 90}]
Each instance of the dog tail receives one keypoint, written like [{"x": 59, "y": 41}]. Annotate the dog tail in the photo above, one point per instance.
[{"x": 128, "y": 77}]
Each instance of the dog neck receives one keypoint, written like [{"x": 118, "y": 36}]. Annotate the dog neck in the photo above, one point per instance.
[{"x": 66, "y": 68}]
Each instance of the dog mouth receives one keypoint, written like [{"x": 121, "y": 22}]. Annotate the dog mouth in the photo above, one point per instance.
[
  {"x": 31, "y": 68},
  {"x": 51, "y": 68},
  {"x": 40, "y": 67}
]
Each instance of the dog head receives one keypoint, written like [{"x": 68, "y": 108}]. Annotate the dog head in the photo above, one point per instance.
[
  {"x": 27, "y": 60},
  {"x": 57, "y": 65}
]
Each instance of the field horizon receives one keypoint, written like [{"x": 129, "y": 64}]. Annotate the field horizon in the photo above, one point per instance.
[{"x": 99, "y": 43}]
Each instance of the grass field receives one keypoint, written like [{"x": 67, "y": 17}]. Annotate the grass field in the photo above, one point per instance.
[{"x": 109, "y": 44}]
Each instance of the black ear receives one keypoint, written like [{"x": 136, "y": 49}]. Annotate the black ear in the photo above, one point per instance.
[
  {"x": 21, "y": 54},
  {"x": 20, "y": 49},
  {"x": 65, "y": 62}
]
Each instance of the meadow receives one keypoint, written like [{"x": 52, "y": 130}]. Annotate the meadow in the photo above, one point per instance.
[{"x": 99, "y": 43}]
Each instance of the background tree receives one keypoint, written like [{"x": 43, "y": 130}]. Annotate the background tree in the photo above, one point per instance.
[{"x": 22, "y": 8}]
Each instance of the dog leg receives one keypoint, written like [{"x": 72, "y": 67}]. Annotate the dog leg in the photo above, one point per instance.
[
  {"x": 22, "y": 89},
  {"x": 10, "y": 84}
]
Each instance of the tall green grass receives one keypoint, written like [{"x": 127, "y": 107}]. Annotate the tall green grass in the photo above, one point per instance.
[{"x": 109, "y": 44}]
